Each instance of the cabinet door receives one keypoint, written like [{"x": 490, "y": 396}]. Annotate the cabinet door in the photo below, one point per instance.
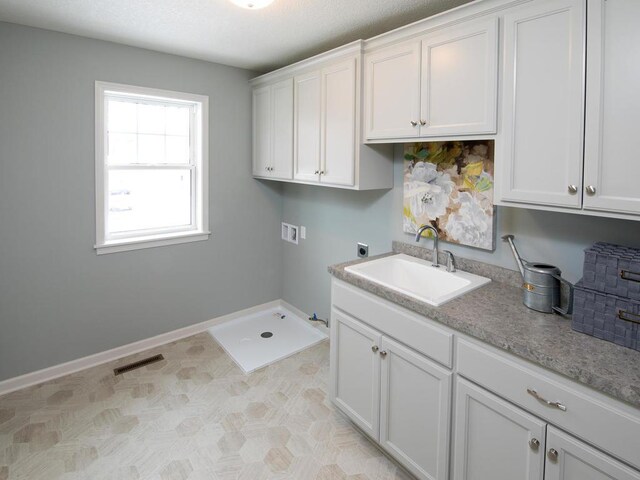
[
  {"x": 261, "y": 131},
  {"x": 307, "y": 104},
  {"x": 613, "y": 106},
  {"x": 414, "y": 411},
  {"x": 355, "y": 371},
  {"x": 460, "y": 79},
  {"x": 392, "y": 92},
  {"x": 338, "y": 146},
  {"x": 282, "y": 129},
  {"x": 543, "y": 112},
  {"x": 494, "y": 439},
  {"x": 570, "y": 459}
]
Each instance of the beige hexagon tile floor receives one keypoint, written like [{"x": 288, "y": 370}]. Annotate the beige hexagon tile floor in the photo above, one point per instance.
[{"x": 195, "y": 415}]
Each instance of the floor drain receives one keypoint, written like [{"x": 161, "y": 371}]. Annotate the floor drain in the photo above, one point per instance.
[{"x": 266, "y": 334}]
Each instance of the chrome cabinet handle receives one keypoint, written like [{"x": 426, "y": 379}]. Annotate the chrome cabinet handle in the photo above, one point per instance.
[
  {"x": 322, "y": 172},
  {"x": 572, "y": 189},
  {"x": 317, "y": 172},
  {"x": 591, "y": 190},
  {"x": 534, "y": 394},
  {"x": 414, "y": 124},
  {"x": 374, "y": 348},
  {"x": 423, "y": 122},
  {"x": 534, "y": 443},
  {"x": 552, "y": 454},
  {"x": 383, "y": 353}
]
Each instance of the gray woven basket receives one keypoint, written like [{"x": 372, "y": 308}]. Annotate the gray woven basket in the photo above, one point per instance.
[
  {"x": 612, "y": 269},
  {"x": 608, "y": 317}
]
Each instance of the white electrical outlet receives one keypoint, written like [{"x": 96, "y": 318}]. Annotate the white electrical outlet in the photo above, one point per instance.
[
  {"x": 285, "y": 231},
  {"x": 303, "y": 232}
]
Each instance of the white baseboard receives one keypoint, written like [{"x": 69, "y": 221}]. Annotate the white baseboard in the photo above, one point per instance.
[{"x": 50, "y": 373}]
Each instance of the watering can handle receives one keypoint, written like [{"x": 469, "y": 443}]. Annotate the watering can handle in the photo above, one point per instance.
[{"x": 569, "y": 309}]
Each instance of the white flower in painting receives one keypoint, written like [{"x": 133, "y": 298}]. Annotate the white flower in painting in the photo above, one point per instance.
[
  {"x": 424, "y": 172},
  {"x": 427, "y": 191},
  {"x": 471, "y": 224}
]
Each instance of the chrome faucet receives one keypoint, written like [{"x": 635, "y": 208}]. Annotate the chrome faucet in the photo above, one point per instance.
[{"x": 434, "y": 255}]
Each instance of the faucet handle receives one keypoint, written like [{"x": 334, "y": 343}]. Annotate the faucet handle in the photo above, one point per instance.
[{"x": 451, "y": 261}]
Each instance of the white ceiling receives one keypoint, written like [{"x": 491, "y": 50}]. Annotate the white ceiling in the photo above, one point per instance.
[{"x": 218, "y": 31}]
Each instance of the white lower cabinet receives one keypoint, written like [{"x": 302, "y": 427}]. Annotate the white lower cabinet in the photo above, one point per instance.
[
  {"x": 398, "y": 397},
  {"x": 499, "y": 441},
  {"x": 414, "y": 410},
  {"x": 355, "y": 368},
  {"x": 570, "y": 459},
  {"x": 494, "y": 439},
  {"x": 512, "y": 420}
]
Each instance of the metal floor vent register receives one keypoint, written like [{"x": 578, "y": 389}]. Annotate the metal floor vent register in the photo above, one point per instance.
[{"x": 139, "y": 364}]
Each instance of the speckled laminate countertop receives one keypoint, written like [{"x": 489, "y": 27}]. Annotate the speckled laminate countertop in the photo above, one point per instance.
[{"x": 495, "y": 314}]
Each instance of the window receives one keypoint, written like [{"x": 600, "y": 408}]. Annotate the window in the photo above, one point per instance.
[{"x": 151, "y": 167}]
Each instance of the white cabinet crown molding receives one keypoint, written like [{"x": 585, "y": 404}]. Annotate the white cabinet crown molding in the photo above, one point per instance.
[
  {"x": 463, "y": 13},
  {"x": 308, "y": 64}
]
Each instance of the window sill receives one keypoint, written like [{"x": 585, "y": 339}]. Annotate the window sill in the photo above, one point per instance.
[{"x": 116, "y": 246}]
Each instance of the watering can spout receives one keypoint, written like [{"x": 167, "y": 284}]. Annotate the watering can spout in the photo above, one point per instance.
[{"x": 509, "y": 238}]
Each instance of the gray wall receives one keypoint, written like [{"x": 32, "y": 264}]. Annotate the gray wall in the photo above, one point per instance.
[
  {"x": 58, "y": 299},
  {"x": 336, "y": 220}
]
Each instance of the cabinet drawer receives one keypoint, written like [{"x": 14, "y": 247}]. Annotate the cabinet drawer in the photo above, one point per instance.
[
  {"x": 608, "y": 424},
  {"x": 409, "y": 328}
]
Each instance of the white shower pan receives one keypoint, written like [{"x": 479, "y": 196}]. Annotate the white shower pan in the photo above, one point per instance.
[{"x": 263, "y": 338}]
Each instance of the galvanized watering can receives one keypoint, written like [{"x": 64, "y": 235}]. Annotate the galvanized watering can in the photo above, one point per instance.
[{"x": 542, "y": 285}]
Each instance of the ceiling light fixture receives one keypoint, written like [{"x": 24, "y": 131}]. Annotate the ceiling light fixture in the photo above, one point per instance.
[{"x": 252, "y": 4}]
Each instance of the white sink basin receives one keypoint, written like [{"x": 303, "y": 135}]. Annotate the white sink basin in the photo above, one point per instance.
[{"x": 418, "y": 278}]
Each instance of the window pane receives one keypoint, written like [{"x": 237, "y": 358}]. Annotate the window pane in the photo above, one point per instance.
[
  {"x": 148, "y": 199},
  {"x": 177, "y": 149},
  {"x": 122, "y": 116},
  {"x": 151, "y": 118},
  {"x": 178, "y": 120},
  {"x": 122, "y": 148},
  {"x": 150, "y": 149}
]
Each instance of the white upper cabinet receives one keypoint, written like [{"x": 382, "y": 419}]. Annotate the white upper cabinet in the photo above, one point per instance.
[
  {"x": 324, "y": 138},
  {"x": 460, "y": 79},
  {"x": 261, "y": 131},
  {"x": 273, "y": 130},
  {"x": 338, "y": 129},
  {"x": 611, "y": 170},
  {"x": 282, "y": 134},
  {"x": 543, "y": 102},
  {"x": 307, "y": 127},
  {"x": 444, "y": 84},
  {"x": 565, "y": 144},
  {"x": 392, "y": 92}
]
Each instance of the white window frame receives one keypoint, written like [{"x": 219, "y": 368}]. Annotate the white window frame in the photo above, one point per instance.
[{"x": 199, "y": 166}]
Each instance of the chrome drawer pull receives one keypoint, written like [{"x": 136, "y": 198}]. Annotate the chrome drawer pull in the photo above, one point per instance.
[{"x": 535, "y": 395}]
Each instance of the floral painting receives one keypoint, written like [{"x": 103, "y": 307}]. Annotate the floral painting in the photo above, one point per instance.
[{"x": 449, "y": 185}]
